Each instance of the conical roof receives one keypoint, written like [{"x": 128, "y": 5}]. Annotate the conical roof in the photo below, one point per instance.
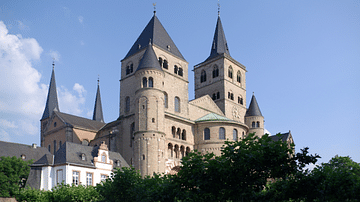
[
  {"x": 219, "y": 45},
  {"x": 159, "y": 37},
  {"x": 253, "y": 109},
  {"x": 149, "y": 60},
  {"x": 98, "y": 113},
  {"x": 52, "y": 100}
]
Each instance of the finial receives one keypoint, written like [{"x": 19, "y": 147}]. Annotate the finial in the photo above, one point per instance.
[
  {"x": 53, "y": 64},
  {"x": 218, "y": 8},
  {"x": 98, "y": 80},
  {"x": 154, "y": 4},
  {"x": 253, "y": 93}
]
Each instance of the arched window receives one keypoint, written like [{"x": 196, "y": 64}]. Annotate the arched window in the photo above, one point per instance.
[
  {"x": 229, "y": 95},
  {"x": 177, "y": 104},
  {"x": 215, "y": 72},
  {"x": 238, "y": 77},
  {"x": 180, "y": 73},
  {"x": 257, "y": 124},
  {"x": 253, "y": 124},
  {"x": 222, "y": 133},
  {"x": 235, "y": 134},
  {"x": 170, "y": 150},
  {"x": 160, "y": 61},
  {"x": 183, "y": 135},
  {"x": 230, "y": 72},
  {"x": 213, "y": 96},
  {"x": 131, "y": 68},
  {"x": 218, "y": 95},
  {"x": 206, "y": 134},
  {"x": 144, "y": 80},
  {"x": 187, "y": 151},
  {"x": 182, "y": 151},
  {"x": 127, "y": 70},
  {"x": 176, "y": 69},
  {"x": 178, "y": 133},
  {"x": 166, "y": 100},
  {"x": 151, "y": 82},
  {"x": 240, "y": 100},
  {"x": 176, "y": 150},
  {"x": 143, "y": 156},
  {"x": 173, "y": 131},
  {"x": 54, "y": 146},
  {"x": 203, "y": 76},
  {"x": 232, "y": 96},
  {"x": 127, "y": 104},
  {"x": 165, "y": 64}
]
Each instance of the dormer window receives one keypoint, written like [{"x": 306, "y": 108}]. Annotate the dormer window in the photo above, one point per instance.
[
  {"x": 23, "y": 156},
  {"x": 83, "y": 157},
  {"x": 118, "y": 163},
  {"x": 103, "y": 158}
]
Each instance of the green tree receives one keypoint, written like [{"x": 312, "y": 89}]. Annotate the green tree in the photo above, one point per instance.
[
  {"x": 13, "y": 175},
  {"x": 242, "y": 171}
]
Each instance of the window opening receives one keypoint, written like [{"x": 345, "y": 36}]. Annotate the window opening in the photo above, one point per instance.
[
  {"x": 222, "y": 133},
  {"x": 144, "y": 82},
  {"x": 235, "y": 134},
  {"x": 206, "y": 134},
  {"x": 151, "y": 82},
  {"x": 177, "y": 104},
  {"x": 203, "y": 76}
]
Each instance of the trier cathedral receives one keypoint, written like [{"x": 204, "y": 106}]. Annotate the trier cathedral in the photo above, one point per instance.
[{"x": 157, "y": 123}]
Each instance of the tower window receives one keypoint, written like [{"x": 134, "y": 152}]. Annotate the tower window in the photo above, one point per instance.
[
  {"x": 230, "y": 72},
  {"x": 127, "y": 104},
  {"x": 232, "y": 96},
  {"x": 153, "y": 120},
  {"x": 218, "y": 95},
  {"x": 49, "y": 148},
  {"x": 238, "y": 77},
  {"x": 206, "y": 134},
  {"x": 222, "y": 133},
  {"x": 54, "y": 124},
  {"x": 215, "y": 72},
  {"x": 176, "y": 69},
  {"x": 166, "y": 100},
  {"x": 151, "y": 82},
  {"x": 183, "y": 135},
  {"x": 203, "y": 76},
  {"x": 160, "y": 62},
  {"x": 257, "y": 124},
  {"x": 143, "y": 157},
  {"x": 214, "y": 96},
  {"x": 54, "y": 146},
  {"x": 177, "y": 104},
  {"x": 165, "y": 64},
  {"x": 144, "y": 81},
  {"x": 180, "y": 72},
  {"x": 253, "y": 124},
  {"x": 240, "y": 100}
]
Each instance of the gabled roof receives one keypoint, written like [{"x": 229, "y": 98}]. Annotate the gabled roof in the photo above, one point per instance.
[
  {"x": 149, "y": 60},
  {"x": 155, "y": 32},
  {"x": 51, "y": 101},
  {"x": 98, "y": 113},
  {"x": 14, "y": 149},
  {"x": 253, "y": 109},
  {"x": 71, "y": 153},
  {"x": 80, "y": 122},
  {"x": 219, "y": 44},
  {"x": 283, "y": 136},
  {"x": 212, "y": 117}
]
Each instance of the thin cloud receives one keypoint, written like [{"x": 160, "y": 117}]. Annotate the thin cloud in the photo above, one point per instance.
[{"x": 55, "y": 55}]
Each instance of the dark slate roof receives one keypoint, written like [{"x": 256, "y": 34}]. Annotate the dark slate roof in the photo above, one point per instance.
[
  {"x": 71, "y": 153},
  {"x": 159, "y": 37},
  {"x": 80, "y": 122},
  {"x": 34, "y": 179},
  {"x": 149, "y": 60},
  {"x": 14, "y": 149},
  {"x": 283, "y": 137},
  {"x": 52, "y": 101},
  {"x": 219, "y": 44},
  {"x": 98, "y": 112},
  {"x": 253, "y": 109}
]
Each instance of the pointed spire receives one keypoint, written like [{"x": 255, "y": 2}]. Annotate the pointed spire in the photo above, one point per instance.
[
  {"x": 253, "y": 109},
  {"x": 219, "y": 45},
  {"x": 52, "y": 100},
  {"x": 149, "y": 59},
  {"x": 98, "y": 113},
  {"x": 159, "y": 37}
]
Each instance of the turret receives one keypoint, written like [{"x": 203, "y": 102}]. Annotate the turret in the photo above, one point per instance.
[
  {"x": 51, "y": 105},
  {"x": 254, "y": 118},
  {"x": 98, "y": 113}
]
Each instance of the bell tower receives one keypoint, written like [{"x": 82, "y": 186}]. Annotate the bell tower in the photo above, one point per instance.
[{"x": 222, "y": 78}]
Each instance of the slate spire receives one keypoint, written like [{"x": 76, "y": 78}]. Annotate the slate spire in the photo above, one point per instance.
[
  {"x": 219, "y": 44},
  {"x": 149, "y": 59},
  {"x": 52, "y": 100},
  {"x": 253, "y": 109},
  {"x": 159, "y": 37},
  {"x": 98, "y": 113}
]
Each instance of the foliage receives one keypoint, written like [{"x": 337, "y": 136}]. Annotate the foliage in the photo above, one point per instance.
[
  {"x": 13, "y": 175},
  {"x": 241, "y": 172},
  {"x": 61, "y": 193},
  {"x": 128, "y": 185}
]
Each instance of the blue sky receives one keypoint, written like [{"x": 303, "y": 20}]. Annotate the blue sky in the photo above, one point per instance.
[{"x": 302, "y": 58}]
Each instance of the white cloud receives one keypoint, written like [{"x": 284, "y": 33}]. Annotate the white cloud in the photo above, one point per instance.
[
  {"x": 81, "y": 19},
  {"x": 22, "y": 96},
  {"x": 55, "y": 55},
  {"x": 70, "y": 103}
]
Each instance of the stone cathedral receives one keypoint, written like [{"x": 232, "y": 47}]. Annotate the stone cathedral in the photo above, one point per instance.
[{"x": 157, "y": 123}]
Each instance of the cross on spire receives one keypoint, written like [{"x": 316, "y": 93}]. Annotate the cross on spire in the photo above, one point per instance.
[
  {"x": 154, "y": 4},
  {"x": 218, "y": 8}
]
